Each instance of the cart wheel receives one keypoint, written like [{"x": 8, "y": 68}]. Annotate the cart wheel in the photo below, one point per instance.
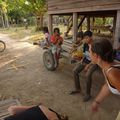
[
  {"x": 2, "y": 46},
  {"x": 48, "y": 60}
]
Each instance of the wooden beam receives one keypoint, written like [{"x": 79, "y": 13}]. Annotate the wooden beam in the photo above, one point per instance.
[
  {"x": 75, "y": 24},
  {"x": 70, "y": 21},
  {"x": 70, "y": 24},
  {"x": 50, "y": 24},
  {"x": 70, "y": 6},
  {"x": 80, "y": 24},
  {"x": 117, "y": 31}
]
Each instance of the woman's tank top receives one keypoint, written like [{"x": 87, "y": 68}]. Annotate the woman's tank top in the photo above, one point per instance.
[{"x": 112, "y": 89}]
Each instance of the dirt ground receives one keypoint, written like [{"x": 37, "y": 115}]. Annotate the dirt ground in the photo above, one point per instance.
[{"x": 23, "y": 76}]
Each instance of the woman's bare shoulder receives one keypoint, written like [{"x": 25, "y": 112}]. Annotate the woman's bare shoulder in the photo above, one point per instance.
[{"x": 114, "y": 73}]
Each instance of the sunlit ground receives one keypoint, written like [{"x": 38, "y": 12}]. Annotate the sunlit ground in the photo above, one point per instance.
[{"x": 21, "y": 32}]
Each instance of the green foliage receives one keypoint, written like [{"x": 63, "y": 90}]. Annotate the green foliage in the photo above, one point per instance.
[
  {"x": 36, "y": 7},
  {"x": 16, "y": 9},
  {"x": 98, "y": 21},
  {"x": 19, "y": 9},
  {"x": 109, "y": 21},
  {"x": 3, "y": 7}
]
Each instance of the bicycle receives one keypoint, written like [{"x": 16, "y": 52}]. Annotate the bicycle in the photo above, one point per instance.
[{"x": 2, "y": 46}]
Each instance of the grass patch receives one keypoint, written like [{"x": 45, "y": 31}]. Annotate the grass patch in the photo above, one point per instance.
[{"x": 19, "y": 33}]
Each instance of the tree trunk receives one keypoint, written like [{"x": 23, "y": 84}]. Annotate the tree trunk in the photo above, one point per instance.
[
  {"x": 6, "y": 20},
  {"x": 3, "y": 24},
  {"x": 39, "y": 22}
]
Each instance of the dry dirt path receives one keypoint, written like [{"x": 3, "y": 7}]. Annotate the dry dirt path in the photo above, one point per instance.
[{"x": 23, "y": 76}]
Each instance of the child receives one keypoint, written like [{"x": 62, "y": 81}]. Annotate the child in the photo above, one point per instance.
[
  {"x": 46, "y": 42},
  {"x": 77, "y": 50},
  {"x": 82, "y": 64},
  {"x": 56, "y": 41}
]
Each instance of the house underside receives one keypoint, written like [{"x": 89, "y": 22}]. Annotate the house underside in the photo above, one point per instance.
[{"x": 88, "y": 9}]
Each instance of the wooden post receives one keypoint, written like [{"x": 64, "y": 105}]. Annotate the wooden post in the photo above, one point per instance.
[
  {"x": 88, "y": 22},
  {"x": 93, "y": 21},
  {"x": 75, "y": 23},
  {"x": 113, "y": 29},
  {"x": 92, "y": 24},
  {"x": 117, "y": 31},
  {"x": 50, "y": 24}
]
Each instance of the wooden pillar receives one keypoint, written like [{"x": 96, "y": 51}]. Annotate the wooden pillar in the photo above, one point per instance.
[
  {"x": 88, "y": 22},
  {"x": 92, "y": 24},
  {"x": 117, "y": 31},
  {"x": 50, "y": 24},
  {"x": 75, "y": 24},
  {"x": 113, "y": 29}
]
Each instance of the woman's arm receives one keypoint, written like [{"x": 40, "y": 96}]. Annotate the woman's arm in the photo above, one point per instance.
[{"x": 100, "y": 97}]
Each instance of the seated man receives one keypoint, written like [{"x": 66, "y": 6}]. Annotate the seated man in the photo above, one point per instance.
[
  {"x": 33, "y": 113},
  {"x": 84, "y": 64},
  {"x": 56, "y": 41},
  {"x": 76, "y": 51}
]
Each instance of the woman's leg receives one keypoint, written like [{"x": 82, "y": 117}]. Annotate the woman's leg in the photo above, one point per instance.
[{"x": 17, "y": 109}]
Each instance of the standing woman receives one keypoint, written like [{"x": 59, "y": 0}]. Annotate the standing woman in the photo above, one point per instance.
[{"x": 102, "y": 53}]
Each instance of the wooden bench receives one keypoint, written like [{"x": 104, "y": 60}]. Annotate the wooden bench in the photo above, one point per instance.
[
  {"x": 66, "y": 48},
  {"x": 4, "y": 105}
]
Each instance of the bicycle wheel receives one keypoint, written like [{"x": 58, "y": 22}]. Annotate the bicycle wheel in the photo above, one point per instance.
[{"x": 2, "y": 46}]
